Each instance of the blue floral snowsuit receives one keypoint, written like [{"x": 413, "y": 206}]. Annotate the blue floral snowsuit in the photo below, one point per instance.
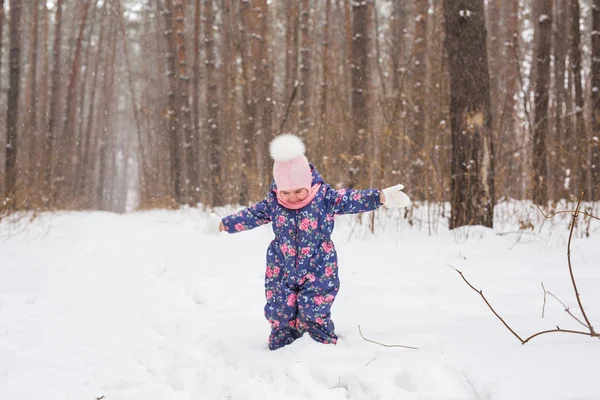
[{"x": 301, "y": 279}]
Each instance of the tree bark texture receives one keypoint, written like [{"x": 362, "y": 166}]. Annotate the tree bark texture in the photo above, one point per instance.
[{"x": 472, "y": 179}]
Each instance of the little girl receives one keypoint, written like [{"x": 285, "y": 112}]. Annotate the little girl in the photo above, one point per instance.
[{"x": 302, "y": 272}]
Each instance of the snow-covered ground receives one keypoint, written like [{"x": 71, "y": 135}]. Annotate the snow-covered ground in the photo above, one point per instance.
[{"x": 146, "y": 306}]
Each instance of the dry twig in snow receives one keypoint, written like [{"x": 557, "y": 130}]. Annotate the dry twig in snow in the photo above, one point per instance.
[{"x": 385, "y": 345}]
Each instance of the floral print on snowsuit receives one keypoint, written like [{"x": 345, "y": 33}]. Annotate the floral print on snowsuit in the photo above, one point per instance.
[{"x": 301, "y": 279}]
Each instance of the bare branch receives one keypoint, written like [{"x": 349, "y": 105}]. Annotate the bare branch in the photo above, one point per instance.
[
  {"x": 382, "y": 344},
  {"x": 287, "y": 107},
  {"x": 544, "y": 305},
  {"x": 575, "y": 215},
  {"x": 374, "y": 358},
  {"x": 523, "y": 341},
  {"x": 488, "y": 304},
  {"x": 567, "y": 309},
  {"x": 557, "y": 330},
  {"x": 566, "y": 211}
]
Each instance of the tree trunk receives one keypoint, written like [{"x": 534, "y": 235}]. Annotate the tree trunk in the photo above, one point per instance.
[
  {"x": 104, "y": 189},
  {"x": 248, "y": 54},
  {"x": 510, "y": 129},
  {"x": 347, "y": 54},
  {"x": 305, "y": 70},
  {"x": 360, "y": 96},
  {"x": 12, "y": 109},
  {"x": 325, "y": 66},
  {"x": 158, "y": 120},
  {"x": 560, "y": 151},
  {"x": 595, "y": 142},
  {"x": 86, "y": 62},
  {"x": 183, "y": 111},
  {"x": 439, "y": 133},
  {"x": 44, "y": 82},
  {"x": 265, "y": 99},
  {"x": 580, "y": 168},
  {"x": 495, "y": 60},
  {"x": 419, "y": 157},
  {"x": 67, "y": 161},
  {"x": 568, "y": 117},
  {"x": 472, "y": 179},
  {"x": 85, "y": 170},
  {"x": 228, "y": 94},
  {"x": 31, "y": 109},
  {"x": 540, "y": 133},
  {"x": 143, "y": 167},
  {"x": 212, "y": 131},
  {"x": 54, "y": 104},
  {"x": 173, "y": 121},
  {"x": 195, "y": 115},
  {"x": 291, "y": 55},
  {"x": 397, "y": 52},
  {"x": 496, "y": 43},
  {"x": 1, "y": 39}
]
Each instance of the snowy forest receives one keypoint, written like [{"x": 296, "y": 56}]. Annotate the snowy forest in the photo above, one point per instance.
[
  {"x": 110, "y": 104},
  {"x": 154, "y": 246}
]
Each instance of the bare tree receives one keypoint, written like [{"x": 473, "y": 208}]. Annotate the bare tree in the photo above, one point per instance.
[
  {"x": 497, "y": 43},
  {"x": 183, "y": 103},
  {"x": 252, "y": 54},
  {"x": 419, "y": 92},
  {"x": 397, "y": 50},
  {"x": 211, "y": 126},
  {"x": 12, "y": 109},
  {"x": 360, "y": 95},
  {"x": 559, "y": 151},
  {"x": 83, "y": 181},
  {"x": 472, "y": 179},
  {"x": 291, "y": 55},
  {"x": 84, "y": 85},
  {"x": 326, "y": 71},
  {"x": 103, "y": 189},
  {"x": 540, "y": 133},
  {"x": 595, "y": 142},
  {"x": 244, "y": 52},
  {"x": 173, "y": 121},
  {"x": 1, "y": 32},
  {"x": 195, "y": 113},
  {"x": 580, "y": 148},
  {"x": 494, "y": 39},
  {"x": 265, "y": 79},
  {"x": 138, "y": 129},
  {"x": 68, "y": 159},
  {"x": 50, "y": 150},
  {"x": 304, "y": 118},
  {"x": 227, "y": 76},
  {"x": 44, "y": 83},
  {"x": 31, "y": 93}
]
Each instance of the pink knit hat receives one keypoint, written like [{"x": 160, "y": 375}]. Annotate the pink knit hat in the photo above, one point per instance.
[{"x": 291, "y": 169}]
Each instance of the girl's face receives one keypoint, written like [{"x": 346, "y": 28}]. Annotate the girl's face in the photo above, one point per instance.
[{"x": 294, "y": 195}]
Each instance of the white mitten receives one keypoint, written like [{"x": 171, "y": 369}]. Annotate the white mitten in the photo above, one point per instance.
[
  {"x": 395, "y": 197},
  {"x": 212, "y": 224}
]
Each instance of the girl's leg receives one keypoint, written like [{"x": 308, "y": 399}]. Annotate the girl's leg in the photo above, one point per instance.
[
  {"x": 281, "y": 312},
  {"x": 314, "y": 310}
]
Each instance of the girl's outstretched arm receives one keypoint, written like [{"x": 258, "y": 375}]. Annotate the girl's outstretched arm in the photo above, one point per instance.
[
  {"x": 248, "y": 218},
  {"x": 352, "y": 201}
]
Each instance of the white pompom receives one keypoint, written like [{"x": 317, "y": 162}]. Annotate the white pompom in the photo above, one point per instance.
[{"x": 286, "y": 147}]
